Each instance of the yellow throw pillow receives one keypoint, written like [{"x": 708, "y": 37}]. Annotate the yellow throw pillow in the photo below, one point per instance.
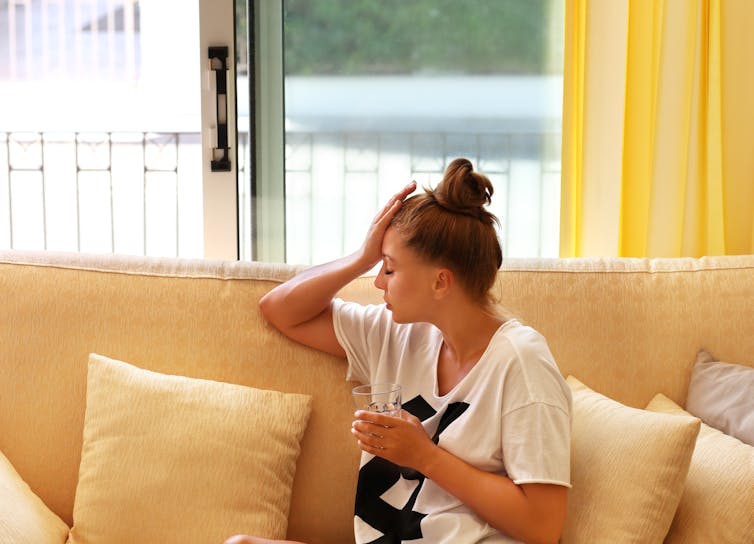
[
  {"x": 718, "y": 502},
  {"x": 173, "y": 459},
  {"x": 24, "y": 518},
  {"x": 628, "y": 467}
]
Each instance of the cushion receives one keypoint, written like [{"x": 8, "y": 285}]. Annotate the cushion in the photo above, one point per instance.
[
  {"x": 24, "y": 518},
  {"x": 174, "y": 459},
  {"x": 718, "y": 501},
  {"x": 628, "y": 468},
  {"x": 720, "y": 394}
]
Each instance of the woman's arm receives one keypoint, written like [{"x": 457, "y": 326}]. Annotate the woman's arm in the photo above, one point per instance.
[
  {"x": 528, "y": 512},
  {"x": 300, "y": 307}
]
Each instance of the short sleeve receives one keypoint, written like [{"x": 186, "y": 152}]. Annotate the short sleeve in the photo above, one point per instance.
[
  {"x": 360, "y": 330},
  {"x": 536, "y": 416},
  {"x": 537, "y": 444}
]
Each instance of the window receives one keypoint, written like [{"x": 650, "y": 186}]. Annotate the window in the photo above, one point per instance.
[
  {"x": 379, "y": 93},
  {"x": 102, "y": 141}
]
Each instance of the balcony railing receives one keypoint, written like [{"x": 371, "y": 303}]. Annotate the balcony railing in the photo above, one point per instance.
[
  {"x": 141, "y": 193},
  {"x": 134, "y": 193},
  {"x": 336, "y": 181}
]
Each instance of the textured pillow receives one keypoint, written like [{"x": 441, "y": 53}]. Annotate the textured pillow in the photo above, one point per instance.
[
  {"x": 722, "y": 395},
  {"x": 628, "y": 468},
  {"x": 718, "y": 502},
  {"x": 24, "y": 518},
  {"x": 174, "y": 459}
]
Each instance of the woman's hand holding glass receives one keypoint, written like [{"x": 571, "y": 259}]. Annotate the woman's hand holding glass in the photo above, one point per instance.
[{"x": 400, "y": 439}]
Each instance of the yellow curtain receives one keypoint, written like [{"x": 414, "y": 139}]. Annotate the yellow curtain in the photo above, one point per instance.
[{"x": 658, "y": 128}]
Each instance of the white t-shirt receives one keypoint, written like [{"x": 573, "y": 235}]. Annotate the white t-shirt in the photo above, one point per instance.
[{"x": 509, "y": 415}]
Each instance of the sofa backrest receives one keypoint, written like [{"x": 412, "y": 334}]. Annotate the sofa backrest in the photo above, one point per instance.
[{"x": 629, "y": 328}]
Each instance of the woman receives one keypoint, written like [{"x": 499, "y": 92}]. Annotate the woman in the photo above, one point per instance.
[{"x": 481, "y": 450}]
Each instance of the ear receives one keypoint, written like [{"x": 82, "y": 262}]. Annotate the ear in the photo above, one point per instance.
[{"x": 444, "y": 281}]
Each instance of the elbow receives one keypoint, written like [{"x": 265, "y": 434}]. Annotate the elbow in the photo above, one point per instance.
[
  {"x": 268, "y": 306},
  {"x": 272, "y": 306},
  {"x": 264, "y": 306}
]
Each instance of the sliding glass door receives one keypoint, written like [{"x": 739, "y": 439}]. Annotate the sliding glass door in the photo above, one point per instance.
[{"x": 365, "y": 95}]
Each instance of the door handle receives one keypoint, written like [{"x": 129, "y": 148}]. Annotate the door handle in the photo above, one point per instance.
[{"x": 218, "y": 63}]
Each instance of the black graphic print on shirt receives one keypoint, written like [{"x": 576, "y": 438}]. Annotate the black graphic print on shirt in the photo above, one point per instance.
[{"x": 378, "y": 475}]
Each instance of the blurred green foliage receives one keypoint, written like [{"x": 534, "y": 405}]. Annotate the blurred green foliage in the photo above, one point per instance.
[{"x": 373, "y": 37}]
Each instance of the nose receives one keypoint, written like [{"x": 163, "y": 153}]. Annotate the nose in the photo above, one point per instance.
[{"x": 379, "y": 281}]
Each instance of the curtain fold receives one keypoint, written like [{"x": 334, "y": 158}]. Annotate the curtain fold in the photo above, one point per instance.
[
  {"x": 658, "y": 159},
  {"x": 573, "y": 129}
]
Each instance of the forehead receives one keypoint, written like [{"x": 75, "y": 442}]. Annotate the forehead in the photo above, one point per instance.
[
  {"x": 394, "y": 248},
  {"x": 393, "y": 244}
]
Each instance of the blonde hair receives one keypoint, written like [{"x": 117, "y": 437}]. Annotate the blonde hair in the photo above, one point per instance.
[{"x": 449, "y": 226}]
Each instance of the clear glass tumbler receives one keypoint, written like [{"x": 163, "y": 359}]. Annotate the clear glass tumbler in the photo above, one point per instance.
[{"x": 384, "y": 398}]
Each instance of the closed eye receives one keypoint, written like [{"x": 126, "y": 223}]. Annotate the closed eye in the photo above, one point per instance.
[{"x": 388, "y": 272}]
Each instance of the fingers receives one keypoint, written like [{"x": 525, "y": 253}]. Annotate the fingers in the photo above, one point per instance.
[
  {"x": 402, "y": 194},
  {"x": 411, "y": 418},
  {"x": 372, "y": 248},
  {"x": 387, "y": 213},
  {"x": 383, "y": 419},
  {"x": 394, "y": 203},
  {"x": 371, "y": 428},
  {"x": 407, "y": 190},
  {"x": 368, "y": 435}
]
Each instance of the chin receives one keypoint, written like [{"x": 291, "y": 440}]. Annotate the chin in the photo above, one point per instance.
[
  {"x": 396, "y": 318},
  {"x": 401, "y": 319}
]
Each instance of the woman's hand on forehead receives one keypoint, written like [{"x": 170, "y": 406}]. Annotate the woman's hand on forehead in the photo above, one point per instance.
[{"x": 372, "y": 248}]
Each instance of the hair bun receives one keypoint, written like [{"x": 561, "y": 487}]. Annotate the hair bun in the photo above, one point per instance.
[{"x": 464, "y": 191}]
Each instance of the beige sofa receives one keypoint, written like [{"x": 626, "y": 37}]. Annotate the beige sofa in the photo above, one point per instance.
[{"x": 627, "y": 328}]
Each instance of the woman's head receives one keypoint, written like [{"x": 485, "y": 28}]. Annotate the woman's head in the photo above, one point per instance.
[{"x": 449, "y": 226}]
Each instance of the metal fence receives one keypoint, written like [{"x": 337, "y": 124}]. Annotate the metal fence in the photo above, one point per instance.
[
  {"x": 141, "y": 193},
  {"x": 336, "y": 181},
  {"x": 101, "y": 192}
]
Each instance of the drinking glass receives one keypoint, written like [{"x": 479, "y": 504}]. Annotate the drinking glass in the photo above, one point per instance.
[{"x": 384, "y": 398}]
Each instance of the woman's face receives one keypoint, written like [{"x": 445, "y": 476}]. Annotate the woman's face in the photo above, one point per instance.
[{"x": 406, "y": 279}]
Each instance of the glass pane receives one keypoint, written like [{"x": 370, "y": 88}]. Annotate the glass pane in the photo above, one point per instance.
[
  {"x": 100, "y": 126},
  {"x": 243, "y": 103},
  {"x": 379, "y": 93}
]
